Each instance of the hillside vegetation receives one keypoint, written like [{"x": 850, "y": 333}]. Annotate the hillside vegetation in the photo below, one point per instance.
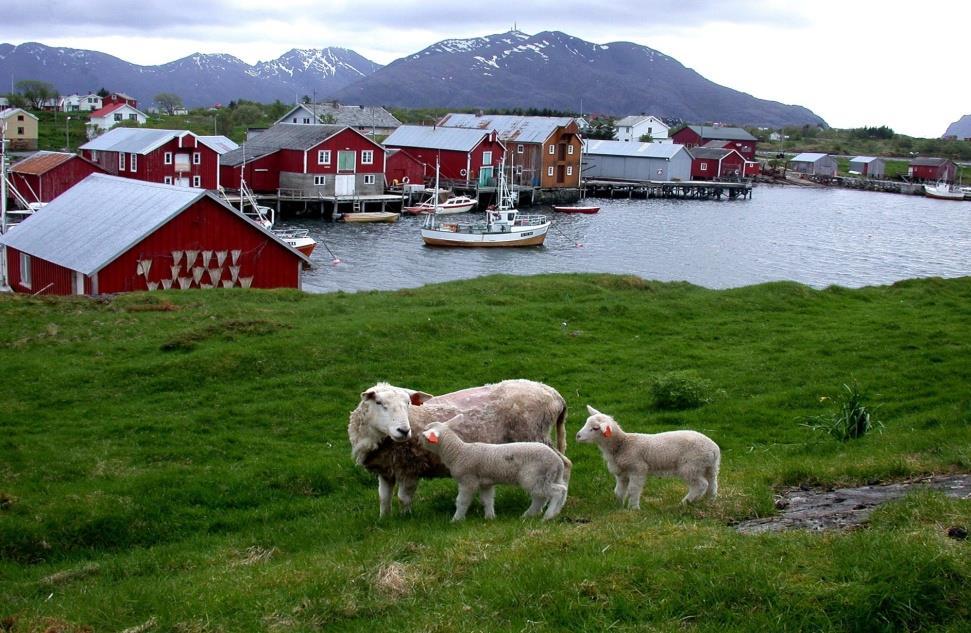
[{"x": 179, "y": 461}]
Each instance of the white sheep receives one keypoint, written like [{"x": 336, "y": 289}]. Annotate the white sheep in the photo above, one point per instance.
[
  {"x": 478, "y": 467},
  {"x": 631, "y": 457}
]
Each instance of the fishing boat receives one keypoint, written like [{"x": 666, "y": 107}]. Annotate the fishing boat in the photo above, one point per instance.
[
  {"x": 503, "y": 226},
  {"x": 575, "y": 209},
  {"x": 454, "y": 204},
  {"x": 297, "y": 239},
  {"x": 943, "y": 191},
  {"x": 370, "y": 216}
]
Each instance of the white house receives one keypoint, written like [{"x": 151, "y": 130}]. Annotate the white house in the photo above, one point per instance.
[
  {"x": 366, "y": 119},
  {"x": 81, "y": 103},
  {"x": 631, "y": 128},
  {"x": 113, "y": 114}
]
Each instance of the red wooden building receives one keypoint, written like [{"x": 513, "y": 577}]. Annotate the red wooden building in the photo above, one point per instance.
[
  {"x": 712, "y": 163},
  {"x": 463, "y": 154},
  {"x": 307, "y": 161},
  {"x": 170, "y": 157},
  {"x": 735, "y": 138},
  {"x": 119, "y": 97},
  {"x": 109, "y": 234},
  {"x": 932, "y": 169},
  {"x": 43, "y": 176},
  {"x": 401, "y": 168}
]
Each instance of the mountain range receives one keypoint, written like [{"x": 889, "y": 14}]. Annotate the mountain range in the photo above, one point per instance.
[
  {"x": 960, "y": 129},
  {"x": 509, "y": 70}
]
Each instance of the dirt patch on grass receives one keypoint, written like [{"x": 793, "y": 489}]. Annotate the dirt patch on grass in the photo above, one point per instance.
[
  {"x": 254, "y": 555},
  {"x": 62, "y": 577},
  {"x": 394, "y": 580},
  {"x": 230, "y": 330},
  {"x": 816, "y": 509}
]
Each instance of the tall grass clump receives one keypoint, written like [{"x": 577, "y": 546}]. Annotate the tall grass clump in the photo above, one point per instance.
[
  {"x": 852, "y": 418},
  {"x": 679, "y": 390}
]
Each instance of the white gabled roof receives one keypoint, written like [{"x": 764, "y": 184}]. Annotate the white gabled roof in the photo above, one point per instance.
[
  {"x": 808, "y": 157},
  {"x": 219, "y": 144},
  {"x": 863, "y": 159},
  {"x": 133, "y": 140},
  {"x": 97, "y": 220},
  {"x": 447, "y": 138},
  {"x": 666, "y": 151},
  {"x": 511, "y": 128}
]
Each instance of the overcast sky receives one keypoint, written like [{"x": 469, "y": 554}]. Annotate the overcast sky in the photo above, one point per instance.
[{"x": 853, "y": 63}]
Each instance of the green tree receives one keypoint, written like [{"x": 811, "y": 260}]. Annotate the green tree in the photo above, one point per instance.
[
  {"x": 36, "y": 92},
  {"x": 645, "y": 138},
  {"x": 601, "y": 129},
  {"x": 247, "y": 114},
  {"x": 168, "y": 102}
]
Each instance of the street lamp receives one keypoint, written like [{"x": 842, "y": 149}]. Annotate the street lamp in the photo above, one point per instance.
[{"x": 67, "y": 134}]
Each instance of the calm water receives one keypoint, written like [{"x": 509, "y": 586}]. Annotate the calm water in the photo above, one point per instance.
[{"x": 817, "y": 237}]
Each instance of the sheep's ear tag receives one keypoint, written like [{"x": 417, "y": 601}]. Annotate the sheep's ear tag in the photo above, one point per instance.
[
  {"x": 432, "y": 437},
  {"x": 416, "y": 399},
  {"x": 607, "y": 430}
]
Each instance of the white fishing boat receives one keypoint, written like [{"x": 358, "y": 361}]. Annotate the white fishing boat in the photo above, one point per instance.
[
  {"x": 502, "y": 226},
  {"x": 370, "y": 216},
  {"x": 454, "y": 204},
  {"x": 943, "y": 191},
  {"x": 297, "y": 239}
]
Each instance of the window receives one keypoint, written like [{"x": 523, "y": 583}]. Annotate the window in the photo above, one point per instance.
[
  {"x": 167, "y": 158},
  {"x": 569, "y": 170},
  {"x": 519, "y": 170},
  {"x": 520, "y": 149},
  {"x": 133, "y": 162},
  {"x": 196, "y": 158},
  {"x": 323, "y": 157},
  {"x": 549, "y": 171},
  {"x": 369, "y": 179},
  {"x": 367, "y": 157},
  {"x": 704, "y": 166},
  {"x": 117, "y": 116},
  {"x": 346, "y": 161},
  {"x": 307, "y": 121},
  {"x": 20, "y": 117},
  {"x": 569, "y": 150},
  {"x": 25, "y": 270},
  {"x": 167, "y": 180},
  {"x": 121, "y": 161},
  {"x": 94, "y": 156},
  {"x": 182, "y": 162},
  {"x": 486, "y": 159},
  {"x": 320, "y": 181},
  {"x": 552, "y": 150},
  {"x": 20, "y": 130},
  {"x": 197, "y": 181},
  {"x": 294, "y": 119},
  {"x": 132, "y": 117}
]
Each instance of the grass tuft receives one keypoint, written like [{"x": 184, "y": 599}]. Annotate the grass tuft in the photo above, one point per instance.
[
  {"x": 852, "y": 417},
  {"x": 679, "y": 390}
]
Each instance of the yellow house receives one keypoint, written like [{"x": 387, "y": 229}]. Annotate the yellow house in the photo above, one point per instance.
[{"x": 21, "y": 128}]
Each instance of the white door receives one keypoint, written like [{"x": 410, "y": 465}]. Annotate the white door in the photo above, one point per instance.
[
  {"x": 344, "y": 185},
  {"x": 181, "y": 181}
]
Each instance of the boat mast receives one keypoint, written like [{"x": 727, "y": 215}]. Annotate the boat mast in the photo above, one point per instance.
[{"x": 3, "y": 203}]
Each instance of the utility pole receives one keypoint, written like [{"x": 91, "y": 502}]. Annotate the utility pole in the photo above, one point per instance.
[{"x": 4, "y": 285}]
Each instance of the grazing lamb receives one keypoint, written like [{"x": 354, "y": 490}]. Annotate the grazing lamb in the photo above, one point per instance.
[
  {"x": 631, "y": 457},
  {"x": 383, "y": 428},
  {"x": 478, "y": 467}
]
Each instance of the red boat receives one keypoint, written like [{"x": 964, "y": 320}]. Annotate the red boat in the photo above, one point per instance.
[{"x": 576, "y": 209}]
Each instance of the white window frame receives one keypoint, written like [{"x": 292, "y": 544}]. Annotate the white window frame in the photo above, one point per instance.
[
  {"x": 368, "y": 179},
  {"x": 121, "y": 161},
  {"x": 569, "y": 150},
  {"x": 94, "y": 155},
  {"x": 569, "y": 170},
  {"x": 367, "y": 156},
  {"x": 552, "y": 150},
  {"x": 487, "y": 158},
  {"x": 25, "y": 279},
  {"x": 320, "y": 180},
  {"x": 133, "y": 162},
  {"x": 323, "y": 157},
  {"x": 549, "y": 171},
  {"x": 167, "y": 180},
  {"x": 167, "y": 158},
  {"x": 196, "y": 158},
  {"x": 703, "y": 167},
  {"x": 520, "y": 149},
  {"x": 197, "y": 181}
]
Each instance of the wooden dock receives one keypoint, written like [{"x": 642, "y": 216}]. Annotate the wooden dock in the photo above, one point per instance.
[{"x": 674, "y": 189}]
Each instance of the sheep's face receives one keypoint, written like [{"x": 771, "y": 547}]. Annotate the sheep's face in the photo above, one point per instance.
[
  {"x": 431, "y": 437},
  {"x": 598, "y": 425},
  {"x": 386, "y": 408}
]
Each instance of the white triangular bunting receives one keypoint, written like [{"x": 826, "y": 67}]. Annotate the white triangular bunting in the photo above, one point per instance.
[
  {"x": 234, "y": 272},
  {"x": 175, "y": 272},
  {"x": 176, "y": 257},
  {"x": 245, "y": 282},
  {"x": 206, "y": 256},
  {"x": 221, "y": 257},
  {"x": 185, "y": 282},
  {"x": 166, "y": 283},
  {"x": 152, "y": 285},
  {"x": 215, "y": 274},
  {"x": 197, "y": 273},
  {"x": 146, "y": 266},
  {"x": 227, "y": 283},
  {"x": 235, "y": 254},
  {"x": 190, "y": 259}
]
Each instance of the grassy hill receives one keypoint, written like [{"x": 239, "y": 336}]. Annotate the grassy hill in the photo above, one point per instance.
[{"x": 179, "y": 461}]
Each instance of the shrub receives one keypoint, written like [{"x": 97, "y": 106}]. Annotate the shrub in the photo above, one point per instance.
[
  {"x": 680, "y": 390},
  {"x": 852, "y": 419}
]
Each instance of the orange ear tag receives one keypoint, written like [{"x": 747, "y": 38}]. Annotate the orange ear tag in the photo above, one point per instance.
[
  {"x": 607, "y": 431},
  {"x": 432, "y": 438}
]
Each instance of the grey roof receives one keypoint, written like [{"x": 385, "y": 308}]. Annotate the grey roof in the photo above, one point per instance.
[
  {"x": 219, "y": 144},
  {"x": 515, "y": 129},
  {"x": 864, "y": 159},
  {"x": 666, "y": 151},
  {"x": 808, "y": 157},
  {"x": 448, "y": 138},
  {"x": 347, "y": 115},
  {"x": 133, "y": 140},
  {"x": 722, "y": 133},
  {"x": 631, "y": 121},
  {"x": 100, "y": 218},
  {"x": 711, "y": 153},
  {"x": 280, "y": 136},
  {"x": 929, "y": 162}
]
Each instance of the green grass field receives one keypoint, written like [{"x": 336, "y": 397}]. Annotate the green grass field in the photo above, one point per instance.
[{"x": 179, "y": 461}]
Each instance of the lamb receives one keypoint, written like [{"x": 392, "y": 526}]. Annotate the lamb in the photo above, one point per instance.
[
  {"x": 630, "y": 457},
  {"x": 478, "y": 467},
  {"x": 383, "y": 428}
]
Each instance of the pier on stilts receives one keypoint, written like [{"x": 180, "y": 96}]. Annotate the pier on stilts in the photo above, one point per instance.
[{"x": 672, "y": 189}]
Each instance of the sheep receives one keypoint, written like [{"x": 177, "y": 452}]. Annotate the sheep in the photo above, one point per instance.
[
  {"x": 478, "y": 467},
  {"x": 630, "y": 457},
  {"x": 383, "y": 428}
]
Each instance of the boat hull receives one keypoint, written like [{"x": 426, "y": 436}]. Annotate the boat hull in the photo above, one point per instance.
[
  {"x": 532, "y": 236},
  {"x": 370, "y": 216},
  {"x": 943, "y": 193},
  {"x": 576, "y": 209}
]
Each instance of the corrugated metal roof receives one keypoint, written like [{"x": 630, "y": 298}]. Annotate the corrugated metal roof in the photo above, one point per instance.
[
  {"x": 133, "y": 140},
  {"x": 631, "y": 121},
  {"x": 711, "y": 153},
  {"x": 280, "y": 136},
  {"x": 929, "y": 162},
  {"x": 515, "y": 129},
  {"x": 717, "y": 144},
  {"x": 220, "y": 144},
  {"x": 40, "y": 163},
  {"x": 808, "y": 157},
  {"x": 91, "y": 224},
  {"x": 722, "y": 133},
  {"x": 863, "y": 159},
  {"x": 666, "y": 151},
  {"x": 448, "y": 138},
  {"x": 348, "y": 115}
]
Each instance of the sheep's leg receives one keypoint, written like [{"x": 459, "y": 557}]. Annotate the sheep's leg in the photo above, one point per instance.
[
  {"x": 488, "y": 497},
  {"x": 406, "y": 491},
  {"x": 697, "y": 488},
  {"x": 385, "y": 489},
  {"x": 558, "y": 498},
  {"x": 539, "y": 500},
  {"x": 712, "y": 476},
  {"x": 635, "y": 486},
  {"x": 462, "y": 502},
  {"x": 620, "y": 490}
]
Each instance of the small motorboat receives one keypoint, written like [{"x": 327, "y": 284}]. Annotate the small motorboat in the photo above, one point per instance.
[
  {"x": 455, "y": 204},
  {"x": 943, "y": 191},
  {"x": 297, "y": 239},
  {"x": 370, "y": 216},
  {"x": 576, "y": 209}
]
